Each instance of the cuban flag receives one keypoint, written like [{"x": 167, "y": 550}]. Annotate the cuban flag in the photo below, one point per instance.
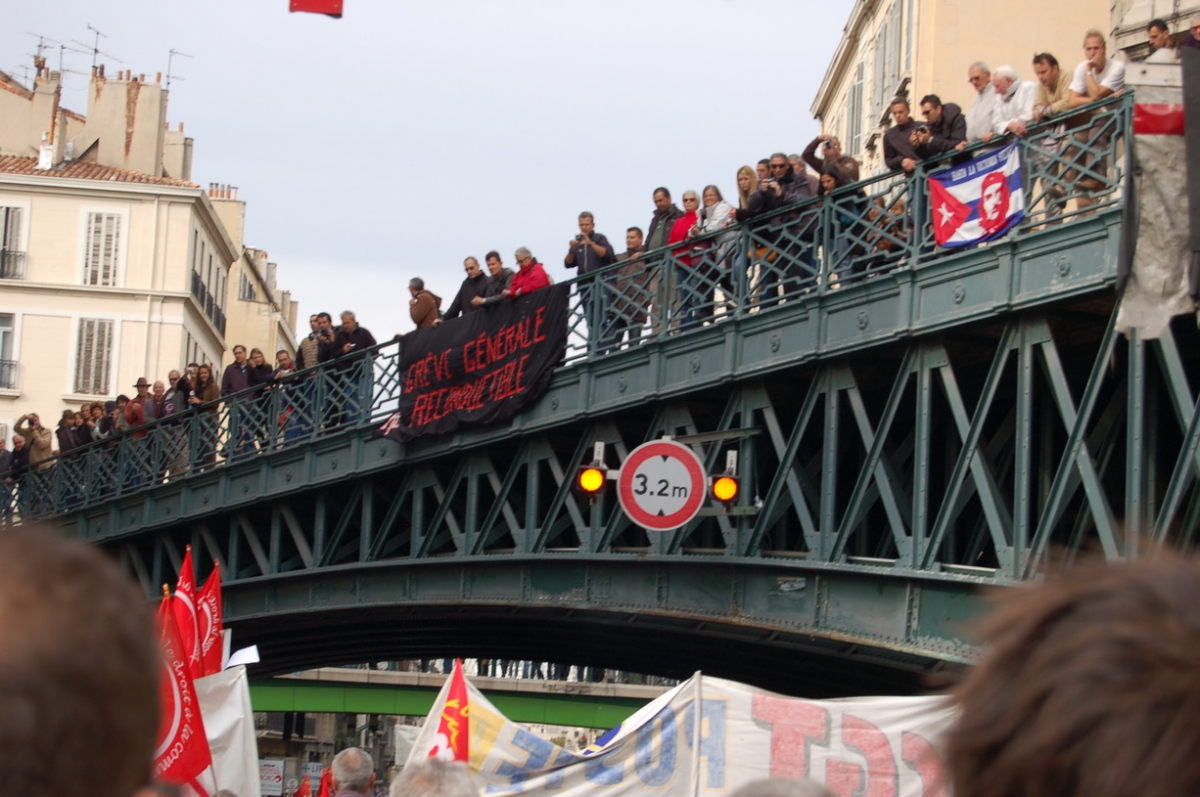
[{"x": 979, "y": 200}]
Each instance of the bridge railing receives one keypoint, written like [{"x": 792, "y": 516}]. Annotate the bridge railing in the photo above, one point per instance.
[{"x": 1070, "y": 168}]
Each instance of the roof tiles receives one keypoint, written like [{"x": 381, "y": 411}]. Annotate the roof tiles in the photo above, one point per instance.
[{"x": 86, "y": 170}]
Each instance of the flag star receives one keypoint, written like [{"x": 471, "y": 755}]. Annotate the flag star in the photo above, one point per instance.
[{"x": 946, "y": 213}]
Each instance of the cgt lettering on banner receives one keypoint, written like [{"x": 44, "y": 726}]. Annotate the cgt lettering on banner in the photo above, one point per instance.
[{"x": 862, "y": 762}]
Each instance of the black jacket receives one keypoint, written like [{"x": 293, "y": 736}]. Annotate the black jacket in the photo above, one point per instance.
[
  {"x": 660, "y": 224},
  {"x": 360, "y": 337},
  {"x": 471, "y": 287},
  {"x": 496, "y": 286},
  {"x": 897, "y": 147},
  {"x": 948, "y": 133},
  {"x": 585, "y": 257}
]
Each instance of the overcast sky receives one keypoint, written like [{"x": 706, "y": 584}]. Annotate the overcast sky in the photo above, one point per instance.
[{"x": 407, "y": 135}]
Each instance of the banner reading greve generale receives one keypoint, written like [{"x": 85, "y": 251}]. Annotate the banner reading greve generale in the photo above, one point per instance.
[{"x": 481, "y": 368}]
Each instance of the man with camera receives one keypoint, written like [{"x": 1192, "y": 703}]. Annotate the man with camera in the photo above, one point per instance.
[
  {"x": 898, "y": 150},
  {"x": 944, "y": 129},
  {"x": 589, "y": 251},
  {"x": 830, "y": 155}
]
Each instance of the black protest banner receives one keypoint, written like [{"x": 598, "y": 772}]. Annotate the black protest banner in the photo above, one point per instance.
[{"x": 480, "y": 368}]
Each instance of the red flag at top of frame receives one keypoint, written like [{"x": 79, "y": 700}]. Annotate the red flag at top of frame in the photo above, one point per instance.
[{"x": 331, "y": 8}]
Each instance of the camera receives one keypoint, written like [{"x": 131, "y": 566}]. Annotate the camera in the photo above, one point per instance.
[
  {"x": 827, "y": 145},
  {"x": 922, "y": 128}
]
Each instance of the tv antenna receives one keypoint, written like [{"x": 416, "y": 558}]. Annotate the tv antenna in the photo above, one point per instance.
[
  {"x": 94, "y": 49},
  {"x": 62, "y": 50},
  {"x": 24, "y": 70},
  {"x": 43, "y": 43},
  {"x": 171, "y": 57}
]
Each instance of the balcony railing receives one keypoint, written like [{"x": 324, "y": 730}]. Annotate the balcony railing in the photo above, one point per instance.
[
  {"x": 8, "y": 374},
  {"x": 822, "y": 246},
  {"x": 12, "y": 265},
  {"x": 208, "y": 303}
]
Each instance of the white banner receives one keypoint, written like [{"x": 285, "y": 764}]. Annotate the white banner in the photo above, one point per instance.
[
  {"x": 229, "y": 722},
  {"x": 878, "y": 746}
]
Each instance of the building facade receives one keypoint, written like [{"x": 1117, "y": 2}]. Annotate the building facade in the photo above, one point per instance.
[
  {"x": 260, "y": 314},
  {"x": 112, "y": 275},
  {"x": 113, "y": 264},
  {"x": 911, "y": 48}
]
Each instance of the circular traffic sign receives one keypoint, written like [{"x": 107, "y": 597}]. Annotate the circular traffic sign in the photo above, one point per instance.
[{"x": 661, "y": 486}]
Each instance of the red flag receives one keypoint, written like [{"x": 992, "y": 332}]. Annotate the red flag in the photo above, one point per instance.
[
  {"x": 332, "y": 8},
  {"x": 210, "y": 619},
  {"x": 326, "y": 783},
  {"x": 305, "y": 789},
  {"x": 185, "y": 614},
  {"x": 450, "y": 744},
  {"x": 182, "y": 751}
]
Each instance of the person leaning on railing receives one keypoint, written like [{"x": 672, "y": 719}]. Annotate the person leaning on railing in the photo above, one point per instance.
[
  {"x": 847, "y": 260},
  {"x": 1096, "y": 78},
  {"x": 626, "y": 311},
  {"x": 205, "y": 391},
  {"x": 711, "y": 267}
]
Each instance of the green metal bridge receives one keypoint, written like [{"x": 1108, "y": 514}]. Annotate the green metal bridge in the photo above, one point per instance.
[
  {"x": 913, "y": 424},
  {"x": 359, "y": 691}
]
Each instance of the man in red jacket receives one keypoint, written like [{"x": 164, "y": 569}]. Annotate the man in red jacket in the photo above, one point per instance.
[{"x": 531, "y": 277}]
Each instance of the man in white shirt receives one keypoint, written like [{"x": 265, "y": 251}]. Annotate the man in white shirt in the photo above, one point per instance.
[
  {"x": 1096, "y": 78},
  {"x": 1014, "y": 103},
  {"x": 979, "y": 118}
]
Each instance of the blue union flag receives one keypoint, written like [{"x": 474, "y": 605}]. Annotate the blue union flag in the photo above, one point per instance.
[{"x": 979, "y": 200}]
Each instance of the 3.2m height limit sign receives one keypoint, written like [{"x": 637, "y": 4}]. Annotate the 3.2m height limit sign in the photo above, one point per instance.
[{"x": 662, "y": 485}]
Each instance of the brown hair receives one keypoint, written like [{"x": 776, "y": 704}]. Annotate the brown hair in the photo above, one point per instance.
[
  {"x": 744, "y": 196},
  {"x": 1091, "y": 687},
  {"x": 79, "y": 671}
]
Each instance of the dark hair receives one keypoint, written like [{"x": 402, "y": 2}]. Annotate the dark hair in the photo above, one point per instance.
[
  {"x": 490, "y": 255},
  {"x": 1088, "y": 686},
  {"x": 79, "y": 670},
  {"x": 764, "y": 162},
  {"x": 638, "y": 230},
  {"x": 931, "y": 99},
  {"x": 836, "y": 174},
  {"x": 899, "y": 101},
  {"x": 663, "y": 191},
  {"x": 1045, "y": 58},
  {"x": 587, "y": 214},
  {"x": 283, "y": 351},
  {"x": 1158, "y": 23},
  {"x": 326, "y": 316}
]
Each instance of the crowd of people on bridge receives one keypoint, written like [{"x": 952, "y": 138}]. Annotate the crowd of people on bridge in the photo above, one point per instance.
[
  {"x": 241, "y": 399},
  {"x": 676, "y": 273},
  {"x": 679, "y": 270}
]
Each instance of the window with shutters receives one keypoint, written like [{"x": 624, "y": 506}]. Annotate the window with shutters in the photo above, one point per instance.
[
  {"x": 246, "y": 292},
  {"x": 102, "y": 248},
  {"x": 854, "y": 113},
  {"x": 93, "y": 356},
  {"x": 8, "y": 367},
  {"x": 12, "y": 253}
]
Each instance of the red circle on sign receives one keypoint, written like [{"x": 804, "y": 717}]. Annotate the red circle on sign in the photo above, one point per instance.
[{"x": 666, "y": 449}]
